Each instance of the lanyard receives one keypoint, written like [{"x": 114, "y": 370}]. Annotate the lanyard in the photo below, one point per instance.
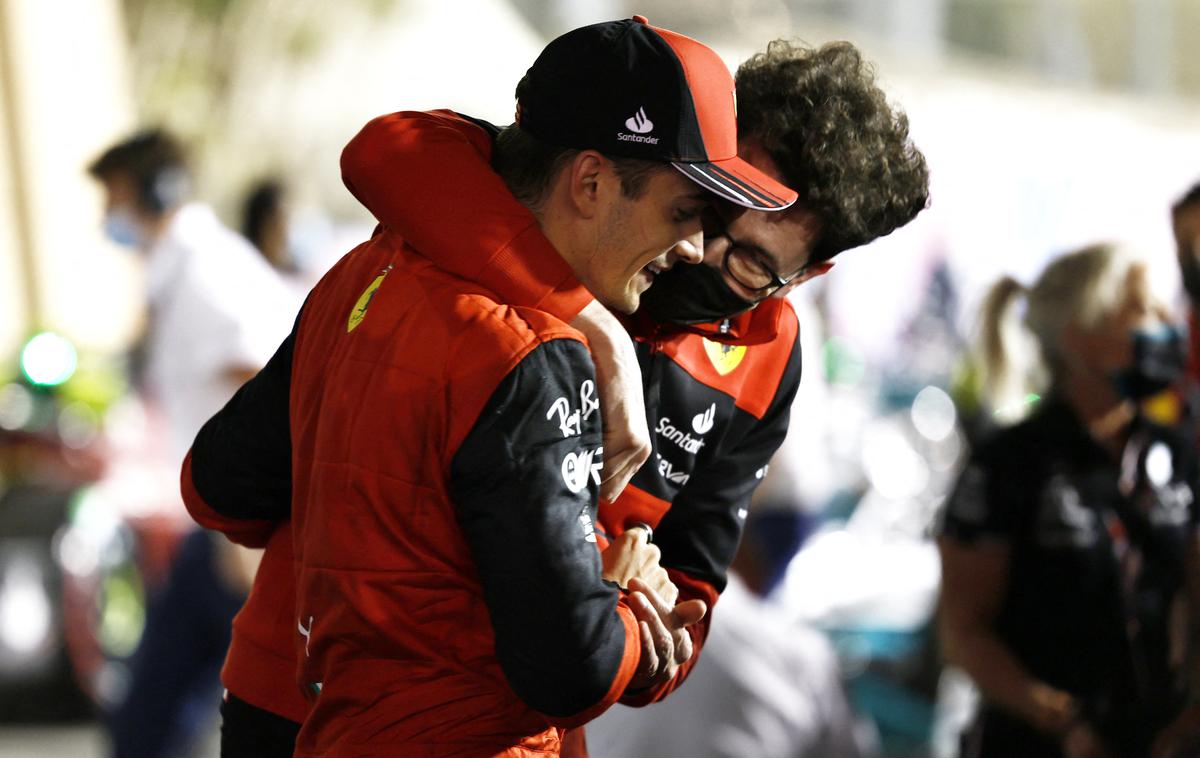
[{"x": 1128, "y": 550}]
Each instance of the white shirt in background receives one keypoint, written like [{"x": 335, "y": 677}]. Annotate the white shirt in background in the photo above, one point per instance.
[
  {"x": 216, "y": 306},
  {"x": 764, "y": 687}
]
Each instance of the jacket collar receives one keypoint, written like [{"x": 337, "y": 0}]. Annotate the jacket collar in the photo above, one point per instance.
[{"x": 754, "y": 327}]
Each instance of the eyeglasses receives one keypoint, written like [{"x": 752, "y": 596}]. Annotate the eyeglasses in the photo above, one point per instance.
[{"x": 744, "y": 264}]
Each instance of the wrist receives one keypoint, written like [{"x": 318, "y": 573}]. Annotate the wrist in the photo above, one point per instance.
[{"x": 1053, "y": 711}]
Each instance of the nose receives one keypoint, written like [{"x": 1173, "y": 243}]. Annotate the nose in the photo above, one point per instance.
[{"x": 690, "y": 249}]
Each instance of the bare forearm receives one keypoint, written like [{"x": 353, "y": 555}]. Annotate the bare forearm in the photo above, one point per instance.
[
  {"x": 1004, "y": 682},
  {"x": 626, "y": 436}
]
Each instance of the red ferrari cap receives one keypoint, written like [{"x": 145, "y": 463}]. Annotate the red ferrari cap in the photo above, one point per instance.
[{"x": 632, "y": 90}]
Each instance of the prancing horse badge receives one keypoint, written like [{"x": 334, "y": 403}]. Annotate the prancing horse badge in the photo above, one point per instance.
[{"x": 724, "y": 358}]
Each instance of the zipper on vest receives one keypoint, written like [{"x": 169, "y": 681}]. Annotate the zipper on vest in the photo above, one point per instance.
[{"x": 652, "y": 374}]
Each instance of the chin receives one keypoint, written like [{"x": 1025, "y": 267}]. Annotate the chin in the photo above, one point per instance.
[{"x": 627, "y": 303}]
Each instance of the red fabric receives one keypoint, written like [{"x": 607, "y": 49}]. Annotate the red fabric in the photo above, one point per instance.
[
  {"x": 392, "y": 622},
  {"x": 758, "y": 326},
  {"x": 758, "y": 373},
  {"x": 260, "y": 666},
  {"x": 712, "y": 90},
  {"x": 388, "y": 166},
  {"x": 711, "y": 86}
]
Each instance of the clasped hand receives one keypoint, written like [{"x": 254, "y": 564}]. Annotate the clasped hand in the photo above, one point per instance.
[{"x": 633, "y": 563}]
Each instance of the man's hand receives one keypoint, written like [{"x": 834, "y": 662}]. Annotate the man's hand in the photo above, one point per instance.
[
  {"x": 632, "y": 556},
  {"x": 1055, "y": 710},
  {"x": 622, "y": 407},
  {"x": 1058, "y": 713},
  {"x": 665, "y": 640}
]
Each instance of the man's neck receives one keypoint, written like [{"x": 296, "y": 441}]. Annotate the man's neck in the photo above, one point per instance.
[
  {"x": 561, "y": 233},
  {"x": 156, "y": 227}
]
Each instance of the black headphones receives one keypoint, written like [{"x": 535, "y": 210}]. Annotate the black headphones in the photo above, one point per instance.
[{"x": 161, "y": 190}]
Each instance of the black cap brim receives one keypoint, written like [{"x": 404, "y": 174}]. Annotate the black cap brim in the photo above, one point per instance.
[{"x": 738, "y": 182}]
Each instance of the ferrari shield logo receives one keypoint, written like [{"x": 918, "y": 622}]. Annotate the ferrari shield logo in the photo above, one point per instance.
[
  {"x": 364, "y": 301},
  {"x": 724, "y": 358}
]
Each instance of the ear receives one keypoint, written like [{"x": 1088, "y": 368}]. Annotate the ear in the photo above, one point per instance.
[
  {"x": 585, "y": 176},
  {"x": 812, "y": 272}
]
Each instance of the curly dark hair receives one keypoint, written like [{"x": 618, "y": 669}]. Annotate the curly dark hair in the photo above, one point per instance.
[{"x": 820, "y": 116}]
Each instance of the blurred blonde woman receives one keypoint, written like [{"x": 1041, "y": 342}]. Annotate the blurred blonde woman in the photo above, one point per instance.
[{"x": 1068, "y": 545}]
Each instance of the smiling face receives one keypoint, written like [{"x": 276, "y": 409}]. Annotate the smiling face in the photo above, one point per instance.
[{"x": 637, "y": 238}]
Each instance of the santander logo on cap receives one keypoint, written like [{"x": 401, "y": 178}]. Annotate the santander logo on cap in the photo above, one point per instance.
[
  {"x": 641, "y": 126},
  {"x": 638, "y": 123}
]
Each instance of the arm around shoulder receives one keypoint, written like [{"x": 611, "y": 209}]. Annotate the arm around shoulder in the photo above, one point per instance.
[{"x": 427, "y": 175}]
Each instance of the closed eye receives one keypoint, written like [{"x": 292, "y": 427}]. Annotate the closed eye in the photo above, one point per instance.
[{"x": 686, "y": 214}]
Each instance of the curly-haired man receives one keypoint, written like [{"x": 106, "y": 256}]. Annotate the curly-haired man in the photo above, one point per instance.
[
  {"x": 814, "y": 119},
  {"x": 820, "y": 117},
  {"x": 716, "y": 343}
]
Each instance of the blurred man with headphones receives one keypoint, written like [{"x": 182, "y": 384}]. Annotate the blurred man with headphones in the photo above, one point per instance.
[{"x": 217, "y": 311}]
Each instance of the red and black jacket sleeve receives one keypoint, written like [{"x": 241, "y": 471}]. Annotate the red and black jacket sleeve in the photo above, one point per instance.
[
  {"x": 699, "y": 534},
  {"x": 427, "y": 176},
  {"x": 524, "y": 485},
  {"x": 237, "y": 477}
]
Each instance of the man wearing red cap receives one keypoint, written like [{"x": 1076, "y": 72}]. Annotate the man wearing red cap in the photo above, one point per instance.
[{"x": 445, "y": 448}]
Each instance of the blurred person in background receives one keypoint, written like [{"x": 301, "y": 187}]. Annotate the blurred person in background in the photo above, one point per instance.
[
  {"x": 216, "y": 313},
  {"x": 265, "y": 223},
  {"x": 1068, "y": 545},
  {"x": 766, "y": 687},
  {"x": 1185, "y": 224},
  {"x": 720, "y": 357}
]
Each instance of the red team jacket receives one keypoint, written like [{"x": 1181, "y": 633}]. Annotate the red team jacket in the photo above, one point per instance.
[{"x": 717, "y": 399}]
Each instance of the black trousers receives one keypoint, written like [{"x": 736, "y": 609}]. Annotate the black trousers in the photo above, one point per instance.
[
  {"x": 248, "y": 731},
  {"x": 176, "y": 671}
]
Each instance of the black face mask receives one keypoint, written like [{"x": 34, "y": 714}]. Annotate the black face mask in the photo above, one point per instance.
[
  {"x": 1159, "y": 359},
  {"x": 692, "y": 294}
]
